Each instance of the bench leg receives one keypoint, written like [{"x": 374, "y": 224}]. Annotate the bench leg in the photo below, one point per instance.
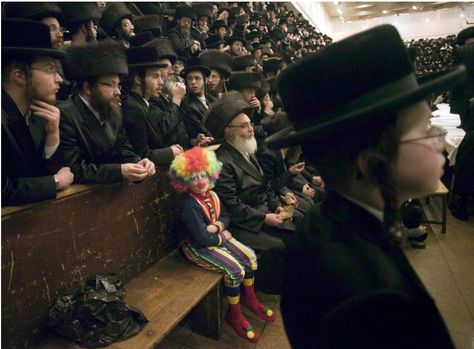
[{"x": 206, "y": 317}]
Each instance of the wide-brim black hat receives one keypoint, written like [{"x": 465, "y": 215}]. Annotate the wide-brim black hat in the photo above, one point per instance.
[
  {"x": 223, "y": 111},
  {"x": 186, "y": 11},
  {"x": 240, "y": 80},
  {"x": 112, "y": 15},
  {"x": 272, "y": 64},
  {"x": 351, "y": 85},
  {"x": 218, "y": 24},
  {"x": 465, "y": 34},
  {"x": 203, "y": 10},
  {"x": 149, "y": 23},
  {"x": 141, "y": 39},
  {"x": 195, "y": 64},
  {"x": 165, "y": 49},
  {"x": 33, "y": 10},
  {"x": 79, "y": 11},
  {"x": 17, "y": 39},
  {"x": 143, "y": 57},
  {"x": 94, "y": 59},
  {"x": 235, "y": 37},
  {"x": 213, "y": 41},
  {"x": 220, "y": 61},
  {"x": 240, "y": 62}
]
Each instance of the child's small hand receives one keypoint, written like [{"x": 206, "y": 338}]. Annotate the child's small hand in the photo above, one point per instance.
[
  {"x": 211, "y": 228},
  {"x": 227, "y": 234}
]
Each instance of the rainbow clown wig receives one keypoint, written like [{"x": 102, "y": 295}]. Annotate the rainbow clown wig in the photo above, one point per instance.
[{"x": 194, "y": 160}]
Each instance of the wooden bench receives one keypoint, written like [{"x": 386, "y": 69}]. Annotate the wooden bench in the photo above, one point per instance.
[
  {"x": 166, "y": 293},
  {"x": 443, "y": 193}
]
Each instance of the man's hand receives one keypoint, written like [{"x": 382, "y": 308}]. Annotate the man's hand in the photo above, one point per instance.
[
  {"x": 133, "y": 172},
  {"x": 223, "y": 16},
  {"x": 318, "y": 181},
  {"x": 177, "y": 149},
  {"x": 211, "y": 228},
  {"x": 48, "y": 113},
  {"x": 148, "y": 165},
  {"x": 307, "y": 190},
  {"x": 272, "y": 220},
  {"x": 177, "y": 92},
  {"x": 297, "y": 168},
  {"x": 255, "y": 104},
  {"x": 202, "y": 140},
  {"x": 268, "y": 105},
  {"x": 65, "y": 177}
]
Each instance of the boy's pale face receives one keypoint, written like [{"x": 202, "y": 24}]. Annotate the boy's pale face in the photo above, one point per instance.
[
  {"x": 420, "y": 161},
  {"x": 199, "y": 182}
]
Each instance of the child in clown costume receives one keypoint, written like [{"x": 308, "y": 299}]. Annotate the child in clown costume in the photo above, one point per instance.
[{"x": 206, "y": 241}]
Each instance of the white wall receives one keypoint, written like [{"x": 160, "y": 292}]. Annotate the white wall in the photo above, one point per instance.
[{"x": 430, "y": 24}]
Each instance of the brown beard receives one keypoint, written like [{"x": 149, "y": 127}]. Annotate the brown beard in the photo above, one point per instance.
[
  {"x": 33, "y": 93},
  {"x": 107, "y": 109}
]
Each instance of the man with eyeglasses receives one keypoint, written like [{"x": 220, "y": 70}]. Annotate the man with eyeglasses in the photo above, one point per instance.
[
  {"x": 81, "y": 20},
  {"x": 145, "y": 82},
  {"x": 32, "y": 166},
  {"x": 92, "y": 136}
]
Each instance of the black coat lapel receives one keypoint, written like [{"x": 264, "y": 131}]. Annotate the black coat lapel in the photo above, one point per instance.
[{"x": 243, "y": 163}]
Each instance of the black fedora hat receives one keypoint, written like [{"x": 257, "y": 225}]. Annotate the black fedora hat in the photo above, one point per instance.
[
  {"x": 142, "y": 57},
  {"x": 185, "y": 11},
  {"x": 141, "y": 39},
  {"x": 94, "y": 59},
  {"x": 79, "y": 11},
  {"x": 351, "y": 84},
  {"x": 237, "y": 36},
  {"x": 33, "y": 10},
  {"x": 17, "y": 39},
  {"x": 112, "y": 15},
  {"x": 465, "y": 34},
  {"x": 224, "y": 110},
  {"x": 272, "y": 64},
  {"x": 239, "y": 63},
  {"x": 218, "y": 24},
  {"x": 241, "y": 80},
  {"x": 214, "y": 41},
  {"x": 195, "y": 64},
  {"x": 149, "y": 23},
  {"x": 165, "y": 49},
  {"x": 220, "y": 61}
]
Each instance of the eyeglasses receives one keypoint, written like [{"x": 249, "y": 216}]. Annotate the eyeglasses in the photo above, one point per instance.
[
  {"x": 111, "y": 86},
  {"x": 61, "y": 30},
  {"x": 49, "y": 69},
  {"x": 247, "y": 125},
  {"x": 436, "y": 134}
]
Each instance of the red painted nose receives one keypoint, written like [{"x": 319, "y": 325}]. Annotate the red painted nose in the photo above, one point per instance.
[{"x": 201, "y": 184}]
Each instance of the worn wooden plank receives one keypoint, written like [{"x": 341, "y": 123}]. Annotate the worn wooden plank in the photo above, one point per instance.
[{"x": 53, "y": 247}]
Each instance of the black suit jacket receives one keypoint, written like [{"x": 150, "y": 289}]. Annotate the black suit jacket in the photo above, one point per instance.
[
  {"x": 93, "y": 151},
  {"x": 26, "y": 175},
  {"x": 180, "y": 42},
  {"x": 243, "y": 191},
  {"x": 347, "y": 286},
  {"x": 194, "y": 114},
  {"x": 166, "y": 119},
  {"x": 140, "y": 129}
]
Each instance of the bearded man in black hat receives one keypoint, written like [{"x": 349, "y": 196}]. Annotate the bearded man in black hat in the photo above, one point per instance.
[
  {"x": 32, "y": 166},
  {"x": 117, "y": 22},
  {"x": 252, "y": 205},
  {"x": 220, "y": 65},
  {"x": 81, "y": 20},
  {"x": 197, "y": 102},
  {"x": 236, "y": 44},
  {"x": 180, "y": 35},
  {"x": 145, "y": 79},
  {"x": 92, "y": 136}
]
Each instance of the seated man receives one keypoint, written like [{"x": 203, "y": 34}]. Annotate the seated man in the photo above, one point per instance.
[
  {"x": 92, "y": 135},
  {"x": 32, "y": 166},
  {"x": 145, "y": 82},
  {"x": 252, "y": 206}
]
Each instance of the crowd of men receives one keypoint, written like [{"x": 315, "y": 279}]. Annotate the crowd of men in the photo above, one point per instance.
[{"x": 92, "y": 93}]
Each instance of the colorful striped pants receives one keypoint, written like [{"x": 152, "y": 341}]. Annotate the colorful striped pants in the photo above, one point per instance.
[{"x": 233, "y": 259}]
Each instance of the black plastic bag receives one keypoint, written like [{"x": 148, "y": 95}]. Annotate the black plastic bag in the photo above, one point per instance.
[{"x": 96, "y": 315}]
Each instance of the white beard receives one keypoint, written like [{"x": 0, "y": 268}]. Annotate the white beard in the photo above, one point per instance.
[{"x": 244, "y": 145}]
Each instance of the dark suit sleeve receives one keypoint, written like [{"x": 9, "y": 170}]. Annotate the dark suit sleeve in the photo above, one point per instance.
[
  {"x": 384, "y": 318},
  {"x": 273, "y": 173},
  {"x": 84, "y": 172},
  {"x": 24, "y": 190},
  {"x": 242, "y": 214},
  {"x": 193, "y": 121},
  {"x": 195, "y": 223},
  {"x": 136, "y": 129},
  {"x": 180, "y": 43}
]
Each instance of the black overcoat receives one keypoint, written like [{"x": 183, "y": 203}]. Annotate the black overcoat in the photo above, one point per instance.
[{"x": 194, "y": 114}]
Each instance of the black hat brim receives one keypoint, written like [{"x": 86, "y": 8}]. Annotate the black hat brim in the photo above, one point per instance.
[
  {"x": 202, "y": 68},
  {"x": 394, "y": 100},
  {"x": 148, "y": 65},
  {"x": 25, "y": 51}
]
